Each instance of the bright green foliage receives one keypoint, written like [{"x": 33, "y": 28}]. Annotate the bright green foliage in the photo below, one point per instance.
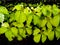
[
  {"x": 29, "y": 31},
  {"x": 55, "y": 10},
  {"x": 37, "y": 38},
  {"x": 5, "y": 24},
  {"x": 18, "y": 7},
  {"x": 36, "y": 31},
  {"x": 16, "y": 24},
  {"x": 35, "y": 18},
  {"x": 22, "y": 32},
  {"x": 29, "y": 19},
  {"x": 3, "y": 30},
  {"x": 44, "y": 28},
  {"x": 58, "y": 28},
  {"x": 57, "y": 32},
  {"x": 39, "y": 20},
  {"x": 1, "y": 17},
  {"x": 44, "y": 37},
  {"x": 38, "y": 10},
  {"x": 27, "y": 11},
  {"x": 9, "y": 35},
  {"x": 49, "y": 25},
  {"x": 14, "y": 31},
  {"x": 19, "y": 38},
  {"x": 12, "y": 17},
  {"x": 20, "y": 17},
  {"x": 51, "y": 35},
  {"x": 3, "y": 10},
  {"x": 46, "y": 10},
  {"x": 55, "y": 21},
  {"x": 43, "y": 22}
]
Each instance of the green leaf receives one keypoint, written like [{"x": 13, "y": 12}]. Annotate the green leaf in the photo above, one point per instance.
[
  {"x": 55, "y": 21},
  {"x": 9, "y": 35},
  {"x": 58, "y": 28},
  {"x": 37, "y": 38},
  {"x": 55, "y": 10},
  {"x": 44, "y": 37},
  {"x": 3, "y": 30},
  {"x": 29, "y": 20},
  {"x": 3, "y": 10},
  {"x": 43, "y": 22},
  {"x": 47, "y": 10},
  {"x": 19, "y": 38},
  {"x": 12, "y": 17},
  {"x": 46, "y": 32},
  {"x": 20, "y": 17},
  {"x": 14, "y": 30},
  {"x": 17, "y": 7},
  {"x": 57, "y": 33},
  {"x": 5, "y": 24},
  {"x": 49, "y": 25},
  {"x": 16, "y": 24},
  {"x": 27, "y": 11},
  {"x": 38, "y": 10},
  {"x": 36, "y": 31},
  {"x": 51, "y": 35},
  {"x": 1, "y": 17},
  {"x": 44, "y": 28},
  {"x": 17, "y": 16},
  {"x": 38, "y": 14},
  {"x": 29, "y": 31},
  {"x": 22, "y": 32},
  {"x": 35, "y": 18}
]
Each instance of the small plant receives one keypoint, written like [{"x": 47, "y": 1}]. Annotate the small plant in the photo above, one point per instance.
[{"x": 20, "y": 21}]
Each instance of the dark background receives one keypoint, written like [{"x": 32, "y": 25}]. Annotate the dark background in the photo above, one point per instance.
[
  {"x": 29, "y": 40},
  {"x": 32, "y": 1}
]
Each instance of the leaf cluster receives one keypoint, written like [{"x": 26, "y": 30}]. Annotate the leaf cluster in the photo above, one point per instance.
[{"x": 41, "y": 21}]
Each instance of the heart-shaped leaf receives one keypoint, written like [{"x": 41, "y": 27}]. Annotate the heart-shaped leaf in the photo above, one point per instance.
[
  {"x": 3, "y": 10},
  {"x": 49, "y": 25},
  {"x": 44, "y": 37},
  {"x": 29, "y": 31},
  {"x": 55, "y": 21},
  {"x": 37, "y": 38}
]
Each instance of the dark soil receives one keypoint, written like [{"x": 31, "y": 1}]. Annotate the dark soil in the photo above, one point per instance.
[{"x": 27, "y": 41}]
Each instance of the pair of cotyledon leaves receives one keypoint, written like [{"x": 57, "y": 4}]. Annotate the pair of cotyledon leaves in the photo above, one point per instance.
[{"x": 39, "y": 37}]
